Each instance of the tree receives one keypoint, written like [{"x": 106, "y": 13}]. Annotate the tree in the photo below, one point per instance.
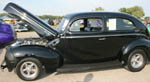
[
  {"x": 123, "y": 10},
  {"x": 3, "y": 14},
  {"x": 136, "y": 11},
  {"x": 99, "y": 9},
  {"x": 147, "y": 19},
  {"x": 50, "y": 17}
]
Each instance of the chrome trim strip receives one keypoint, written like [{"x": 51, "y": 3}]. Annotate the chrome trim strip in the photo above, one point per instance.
[{"x": 93, "y": 36}]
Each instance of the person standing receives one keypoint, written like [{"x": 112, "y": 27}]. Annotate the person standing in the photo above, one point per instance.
[{"x": 50, "y": 22}]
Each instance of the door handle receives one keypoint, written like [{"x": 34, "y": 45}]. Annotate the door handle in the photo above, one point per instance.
[{"x": 102, "y": 39}]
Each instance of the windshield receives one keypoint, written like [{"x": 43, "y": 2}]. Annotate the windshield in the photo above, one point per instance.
[{"x": 61, "y": 27}]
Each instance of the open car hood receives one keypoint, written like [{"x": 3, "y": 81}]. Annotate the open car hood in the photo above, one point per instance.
[{"x": 38, "y": 25}]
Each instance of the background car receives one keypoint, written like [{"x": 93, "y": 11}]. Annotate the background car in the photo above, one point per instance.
[
  {"x": 7, "y": 34},
  {"x": 20, "y": 27}
]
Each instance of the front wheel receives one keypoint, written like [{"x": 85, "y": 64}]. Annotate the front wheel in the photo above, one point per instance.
[
  {"x": 136, "y": 60},
  {"x": 29, "y": 69}
]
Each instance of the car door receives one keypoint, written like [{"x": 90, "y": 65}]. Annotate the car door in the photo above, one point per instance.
[
  {"x": 119, "y": 32},
  {"x": 88, "y": 41}
]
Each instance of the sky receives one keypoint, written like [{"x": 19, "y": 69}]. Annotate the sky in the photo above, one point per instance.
[{"x": 62, "y": 7}]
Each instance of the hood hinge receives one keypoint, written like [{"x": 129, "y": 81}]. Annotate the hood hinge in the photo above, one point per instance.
[{"x": 54, "y": 42}]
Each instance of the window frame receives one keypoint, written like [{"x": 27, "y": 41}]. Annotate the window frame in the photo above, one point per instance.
[
  {"x": 115, "y": 17},
  {"x": 98, "y": 17}
]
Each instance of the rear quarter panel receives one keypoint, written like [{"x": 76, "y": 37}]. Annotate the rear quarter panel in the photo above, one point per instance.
[{"x": 138, "y": 43}]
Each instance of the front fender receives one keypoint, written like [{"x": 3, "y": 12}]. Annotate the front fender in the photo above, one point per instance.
[
  {"x": 125, "y": 51},
  {"x": 48, "y": 57}
]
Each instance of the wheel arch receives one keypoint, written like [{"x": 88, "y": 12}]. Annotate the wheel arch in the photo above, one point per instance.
[
  {"x": 137, "y": 44},
  {"x": 48, "y": 57}
]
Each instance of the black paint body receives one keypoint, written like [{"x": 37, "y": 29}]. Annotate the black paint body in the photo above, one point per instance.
[{"x": 83, "y": 47}]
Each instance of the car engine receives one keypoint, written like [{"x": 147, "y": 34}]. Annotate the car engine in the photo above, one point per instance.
[
  {"x": 30, "y": 41},
  {"x": 35, "y": 41}
]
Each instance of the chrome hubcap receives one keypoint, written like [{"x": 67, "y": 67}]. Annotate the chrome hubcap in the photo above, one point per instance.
[
  {"x": 137, "y": 60},
  {"x": 29, "y": 70}
]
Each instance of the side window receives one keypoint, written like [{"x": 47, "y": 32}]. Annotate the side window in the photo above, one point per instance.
[
  {"x": 119, "y": 24},
  {"x": 87, "y": 25},
  {"x": 77, "y": 25}
]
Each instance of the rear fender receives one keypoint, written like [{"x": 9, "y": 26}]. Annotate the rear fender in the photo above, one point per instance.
[
  {"x": 139, "y": 43},
  {"x": 48, "y": 57}
]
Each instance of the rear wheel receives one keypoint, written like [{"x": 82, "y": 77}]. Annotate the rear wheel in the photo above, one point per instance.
[
  {"x": 136, "y": 60},
  {"x": 29, "y": 69}
]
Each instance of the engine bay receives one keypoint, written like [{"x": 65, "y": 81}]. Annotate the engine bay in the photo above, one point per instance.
[
  {"x": 35, "y": 41},
  {"x": 30, "y": 41}
]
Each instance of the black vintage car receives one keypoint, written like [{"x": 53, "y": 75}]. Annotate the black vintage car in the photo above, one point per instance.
[{"x": 80, "y": 38}]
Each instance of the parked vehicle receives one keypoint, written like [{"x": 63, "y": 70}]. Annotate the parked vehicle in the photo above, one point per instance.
[
  {"x": 80, "y": 38},
  {"x": 20, "y": 27},
  {"x": 7, "y": 34}
]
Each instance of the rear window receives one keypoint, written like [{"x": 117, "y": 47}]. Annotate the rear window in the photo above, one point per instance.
[{"x": 119, "y": 24}]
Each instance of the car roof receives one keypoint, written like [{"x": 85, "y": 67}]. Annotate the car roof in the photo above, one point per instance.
[
  {"x": 108, "y": 14},
  {"x": 80, "y": 14}
]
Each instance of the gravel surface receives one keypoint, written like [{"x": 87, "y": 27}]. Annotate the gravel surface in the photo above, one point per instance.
[{"x": 101, "y": 75}]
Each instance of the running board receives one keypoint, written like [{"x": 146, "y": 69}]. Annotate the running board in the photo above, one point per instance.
[{"x": 89, "y": 67}]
